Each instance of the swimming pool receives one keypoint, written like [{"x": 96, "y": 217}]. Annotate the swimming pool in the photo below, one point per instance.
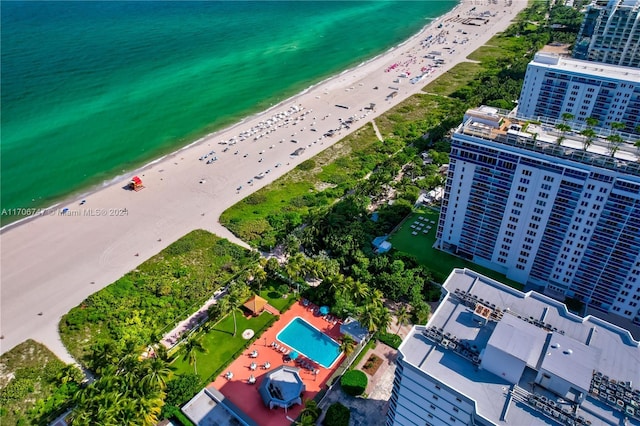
[{"x": 307, "y": 340}]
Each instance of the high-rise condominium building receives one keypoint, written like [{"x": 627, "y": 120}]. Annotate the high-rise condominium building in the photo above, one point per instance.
[
  {"x": 555, "y": 210},
  {"x": 492, "y": 355},
  {"x": 610, "y": 33},
  {"x": 555, "y": 85}
]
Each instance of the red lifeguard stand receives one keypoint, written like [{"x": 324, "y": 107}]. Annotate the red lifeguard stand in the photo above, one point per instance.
[{"x": 136, "y": 184}]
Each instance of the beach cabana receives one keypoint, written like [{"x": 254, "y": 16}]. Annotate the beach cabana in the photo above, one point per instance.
[
  {"x": 136, "y": 183},
  {"x": 282, "y": 387},
  {"x": 256, "y": 304}
]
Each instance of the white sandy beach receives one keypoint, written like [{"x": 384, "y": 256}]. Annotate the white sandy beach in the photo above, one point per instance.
[{"x": 51, "y": 263}]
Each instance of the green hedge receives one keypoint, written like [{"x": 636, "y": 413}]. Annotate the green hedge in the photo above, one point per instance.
[
  {"x": 337, "y": 415},
  {"x": 354, "y": 382},
  {"x": 177, "y": 417},
  {"x": 389, "y": 339}
]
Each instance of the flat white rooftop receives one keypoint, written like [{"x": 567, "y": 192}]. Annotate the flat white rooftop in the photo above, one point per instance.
[
  {"x": 578, "y": 66},
  {"x": 210, "y": 408},
  {"x": 592, "y": 346}
]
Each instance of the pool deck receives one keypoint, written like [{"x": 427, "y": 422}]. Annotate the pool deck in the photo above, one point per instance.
[{"x": 246, "y": 395}]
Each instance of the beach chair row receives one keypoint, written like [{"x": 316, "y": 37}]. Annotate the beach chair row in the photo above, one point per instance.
[{"x": 280, "y": 348}]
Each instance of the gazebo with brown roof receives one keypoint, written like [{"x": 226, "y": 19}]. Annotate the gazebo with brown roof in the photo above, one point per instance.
[{"x": 256, "y": 304}]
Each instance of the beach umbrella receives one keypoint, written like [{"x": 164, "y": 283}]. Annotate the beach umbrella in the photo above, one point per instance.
[
  {"x": 294, "y": 355},
  {"x": 324, "y": 310}
]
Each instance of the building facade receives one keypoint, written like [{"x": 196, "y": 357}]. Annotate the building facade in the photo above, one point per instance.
[
  {"x": 610, "y": 33},
  {"x": 492, "y": 355},
  {"x": 538, "y": 207},
  {"x": 555, "y": 85}
]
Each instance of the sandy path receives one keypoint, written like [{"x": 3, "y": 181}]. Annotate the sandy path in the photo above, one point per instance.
[{"x": 52, "y": 263}]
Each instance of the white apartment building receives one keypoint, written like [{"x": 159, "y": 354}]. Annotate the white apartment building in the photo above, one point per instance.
[
  {"x": 554, "y": 85},
  {"x": 532, "y": 203},
  {"x": 610, "y": 33},
  {"x": 492, "y": 355}
]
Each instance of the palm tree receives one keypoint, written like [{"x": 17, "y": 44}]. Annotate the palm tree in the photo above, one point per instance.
[
  {"x": 589, "y": 135},
  {"x": 219, "y": 309},
  {"x": 311, "y": 408},
  {"x": 314, "y": 268},
  {"x": 272, "y": 265},
  {"x": 294, "y": 266},
  {"x": 192, "y": 346},
  {"x": 148, "y": 408},
  {"x": 617, "y": 126},
  {"x": 238, "y": 293},
  {"x": 368, "y": 318},
  {"x": 384, "y": 318},
  {"x": 564, "y": 128},
  {"x": 157, "y": 372},
  {"x": 591, "y": 122},
  {"x": 567, "y": 116},
  {"x": 402, "y": 317},
  {"x": 233, "y": 307},
  {"x": 102, "y": 356},
  {"x": 359, "y": 291},
  {"x": 347, "y": 344},
  {"x": 375, "y": 298},
  {"x": 306, "y": 420},
  {"x": 334, "y": 283},
  {"x": 259, "y": 277},
  {"x": 375, "y": 318},
  {"x": 614, "y": 143}
]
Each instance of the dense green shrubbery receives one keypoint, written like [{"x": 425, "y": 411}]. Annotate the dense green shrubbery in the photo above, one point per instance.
[
  {"x": 135, "y": 310},
  {"x": 41, "y": 387},
  {"x": 182, "y": 388},
  {"x": 354, "y": 382},
  {"x": 337, "y": 415},
  {"x": 389, "y": 339},
  {"x": 173, "y": 413}
]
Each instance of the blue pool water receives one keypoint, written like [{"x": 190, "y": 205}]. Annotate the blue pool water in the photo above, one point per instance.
[{"x": 310, "y": 342}]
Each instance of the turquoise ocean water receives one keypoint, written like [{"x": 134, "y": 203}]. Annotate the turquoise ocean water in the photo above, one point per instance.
[{"x": 92, "y": 89}]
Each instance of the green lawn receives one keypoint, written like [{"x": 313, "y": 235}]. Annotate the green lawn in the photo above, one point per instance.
[
  {"x": 421, "y": 247},
  {"x": 274, "y": 298},
  {"x": 220, "y": 344}
]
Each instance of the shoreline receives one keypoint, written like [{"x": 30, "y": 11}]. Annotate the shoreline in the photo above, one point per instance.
[
  {"x": 92, "y": 188},
  {"x": 53, "y": 262}
]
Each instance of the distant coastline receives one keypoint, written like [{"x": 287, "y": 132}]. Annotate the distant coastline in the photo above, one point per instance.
[
  {"x": 107, "y": 178},
  {"x": 53, "y": 263}
]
